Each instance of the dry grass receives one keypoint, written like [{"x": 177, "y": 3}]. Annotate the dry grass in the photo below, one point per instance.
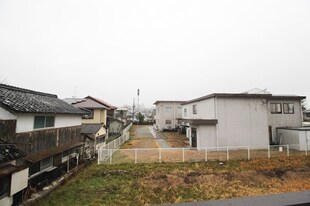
[
  {"x": 175, "y": 139},
  {"x": 146, "y": 184}
]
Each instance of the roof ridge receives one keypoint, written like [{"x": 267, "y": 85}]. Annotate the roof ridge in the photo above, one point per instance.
[
  {"x": 6, "y": 86},
  {"x": 100, "y": 101}
]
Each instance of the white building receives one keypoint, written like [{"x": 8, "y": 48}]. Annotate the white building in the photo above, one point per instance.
[
  {"x": 240, "y": 119},
  {"x": 168, "y": 114}
]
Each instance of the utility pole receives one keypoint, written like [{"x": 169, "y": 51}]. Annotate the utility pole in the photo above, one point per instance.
[
  {"x": 133, "y": 110},
  {"x": 138, "y": 100}
]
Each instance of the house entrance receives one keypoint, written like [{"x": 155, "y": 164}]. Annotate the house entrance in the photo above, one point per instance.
[{"x": 194, "y": 137}]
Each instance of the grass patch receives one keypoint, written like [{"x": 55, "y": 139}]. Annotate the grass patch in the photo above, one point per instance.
[{"x": 146, "y": 184}]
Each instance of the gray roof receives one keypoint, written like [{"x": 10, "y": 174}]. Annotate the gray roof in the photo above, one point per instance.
[
  {"x": 28, "y": 101},
  {"x": 89, "y": 104},
  {"x": 90, "y": 128},
  {"x": 245, "y": 95}
]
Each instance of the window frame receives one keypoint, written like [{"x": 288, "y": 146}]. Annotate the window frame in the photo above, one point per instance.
[
  {"x": 48, "y": 122},
  {"x": 276, "y": 107},
  {"x": 168, "y": 110},
  {"x": 195, "y": 109},
  {"x": 288, "y": 108},
  {"x": 89, "y": 116},
  {"x": 185, "y": 112},
  {"x": 168, "y": 120}
]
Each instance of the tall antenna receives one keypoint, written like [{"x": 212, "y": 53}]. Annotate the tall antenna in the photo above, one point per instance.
[
  {"x": 138, "y": 101},
  {"x": 133, "y": 109}
]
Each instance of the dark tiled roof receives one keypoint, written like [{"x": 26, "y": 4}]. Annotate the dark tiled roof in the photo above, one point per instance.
[
  {"x": 28, "y": 101},
  {"x": 9, "y": 152},
  {"x": 90, "y": 128}
]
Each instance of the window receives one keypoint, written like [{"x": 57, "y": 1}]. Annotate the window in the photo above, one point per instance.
[
  {"x": 41, "y": 165},
  {"x": 46, "y": 163},
  {"x": 185, "y": 112},
  {"x": 275, "y": 108},
  {"x": 90, "y": 114},
  {"x": 168, "y": 121},
  {"x": 179, "y": 110},
  {"x": 43, "y": 121},
  {"x": 307, "y": 114},
  {"x": 5, "y": 184},
  {"x": 288, "y": 108},
  {"x": 195, "y": 109},
  {"x": 168, "y": 110}
]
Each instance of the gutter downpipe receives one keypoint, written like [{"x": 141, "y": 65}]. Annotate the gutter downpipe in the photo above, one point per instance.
[{"x": 217, "y": 129}]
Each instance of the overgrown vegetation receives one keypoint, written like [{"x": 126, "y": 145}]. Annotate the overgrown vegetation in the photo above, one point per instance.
[{"x": 146, "y": 184}]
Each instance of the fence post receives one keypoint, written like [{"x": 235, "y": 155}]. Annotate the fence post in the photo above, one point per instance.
[
  {"x": 227, "y": 154},
  {"x": 269, "y": 151},
  {"x": 119, "y": 142},
  {"x": 288, "y": 150},
  {"x": 99, "y": 156},
  {"x": 206, "y": 154},
  {"x": 159, "y": 155},
  {"x": 307, "y": 150},
  {"x": 136, "y": 158},
  {"x": 108, "y": 146},
  {"x": 114, "y": 144},
  {"x": 183, "y": 158},
  {"x": 249, "y": 157},
  {"x": 111, "y": 153}
]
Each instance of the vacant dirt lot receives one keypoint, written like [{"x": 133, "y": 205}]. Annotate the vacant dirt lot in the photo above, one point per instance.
[
  {"x": 140, "y": 137},
  {"x": 147, "y": 184}
]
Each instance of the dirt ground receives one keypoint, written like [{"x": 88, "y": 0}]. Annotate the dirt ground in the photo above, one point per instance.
[
  {"x": 140, "y": 137},
  {"x": 175, "y": 139}
]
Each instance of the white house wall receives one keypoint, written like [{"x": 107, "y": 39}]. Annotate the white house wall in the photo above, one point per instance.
[
  {"x": 25, "y": 122},
  {"x": 242, "y": 122},
  {"x": 162, "y": 115},
  {"x": 5, "y": 115},
  {"x": 207, "y": 136},
  {"x": 205, "y": 110},
  {"x": 296, "y": 139},
  {"x": 67, "y": 120},
  {"x": 6, "y": 201},
  {"x": 285, "y": 120},
  {"x": 19, "y": 181}
]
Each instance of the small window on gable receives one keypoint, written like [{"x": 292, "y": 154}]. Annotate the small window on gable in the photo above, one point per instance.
[
  {"x": 275, "y": 108},
  {"x": 43, "y": 121},
  {"x": 288, "y": 108},
  {"x": 195, "y": 109}
]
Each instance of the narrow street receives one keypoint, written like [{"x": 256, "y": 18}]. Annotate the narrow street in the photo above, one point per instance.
[{"x": 159, "y": 138}]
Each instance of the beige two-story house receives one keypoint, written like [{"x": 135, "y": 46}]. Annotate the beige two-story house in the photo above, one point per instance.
[{"x": 168, "y": 114}]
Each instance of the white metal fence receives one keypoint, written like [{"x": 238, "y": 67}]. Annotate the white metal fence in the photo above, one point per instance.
[
  {"x": 108, "y": 150},
  {"x": 148, "y": 155}
]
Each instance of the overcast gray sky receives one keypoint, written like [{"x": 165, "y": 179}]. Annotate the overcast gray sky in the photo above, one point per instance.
[{"x": 170, "y": 49}]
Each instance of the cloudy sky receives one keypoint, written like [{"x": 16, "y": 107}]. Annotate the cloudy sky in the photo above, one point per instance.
[{"x": 169, "y": 49}]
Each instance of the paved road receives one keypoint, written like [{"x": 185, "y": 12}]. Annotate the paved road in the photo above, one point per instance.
[
  {"x": 159, "y": 138},
  {"x": 286, "y": 199}
]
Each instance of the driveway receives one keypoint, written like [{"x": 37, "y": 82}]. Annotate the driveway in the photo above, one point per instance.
[{"x": 160, "y": 138}]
